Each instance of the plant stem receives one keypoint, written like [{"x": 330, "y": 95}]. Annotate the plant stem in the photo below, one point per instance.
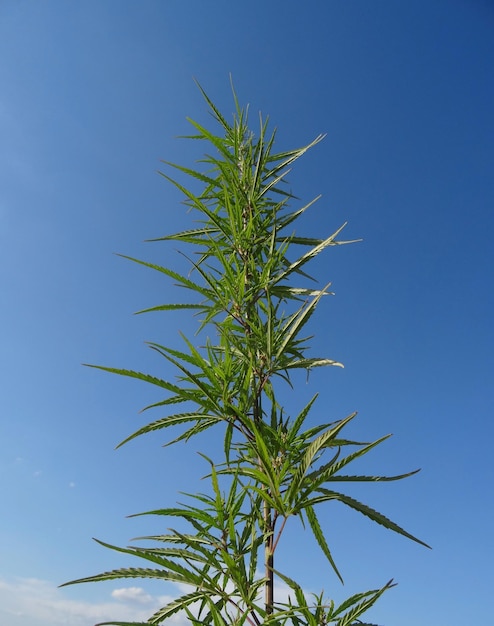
[{"x": 269, "y": 560}]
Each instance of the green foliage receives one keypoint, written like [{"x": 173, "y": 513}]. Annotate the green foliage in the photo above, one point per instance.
[{"x": 249, "y": 289}]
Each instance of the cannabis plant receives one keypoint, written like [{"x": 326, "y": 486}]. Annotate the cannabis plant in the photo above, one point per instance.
[{"x": 251, "y": 295}]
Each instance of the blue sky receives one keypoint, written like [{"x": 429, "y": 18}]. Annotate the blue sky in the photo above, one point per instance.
[{"x": 93, "y": 95}]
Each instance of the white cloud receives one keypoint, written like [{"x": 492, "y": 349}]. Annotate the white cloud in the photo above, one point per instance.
[
  {"x": 34, "y": 602},
  {"x": 132, "y": 594}
]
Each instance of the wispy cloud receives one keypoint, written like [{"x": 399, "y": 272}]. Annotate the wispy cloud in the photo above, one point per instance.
[
  {"x": 34, "y": 602},
  {"x": 132, "y": 594}
]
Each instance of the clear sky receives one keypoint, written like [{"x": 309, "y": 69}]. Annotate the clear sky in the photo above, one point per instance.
[{"x": 92, "y": 96}]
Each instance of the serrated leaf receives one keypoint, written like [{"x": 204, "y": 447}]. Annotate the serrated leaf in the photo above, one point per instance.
[
  {"x": 372, "y": 514},
  {"x": 321, "y": 539}
]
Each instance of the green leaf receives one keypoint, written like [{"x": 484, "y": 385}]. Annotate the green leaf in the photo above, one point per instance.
[
  {"x": 139, "y": 376},
  {"x": 328, "y": 470},
  {"x": 204, "y": 419},
  {"x": 293, "y": 492},
  {"x": 359, "y": 604},
  {"x": 296, "y": 323},
  {"x": 308, "y": 364},
  {"x": 122, "y": 624},
  {"x": 305, "y": 258},
  {"x": 320, "y": 538},
  {"x": 375, "y": 516},
  {"x": 172, "y": 307},
  {"x": 175, "y": 606}
]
